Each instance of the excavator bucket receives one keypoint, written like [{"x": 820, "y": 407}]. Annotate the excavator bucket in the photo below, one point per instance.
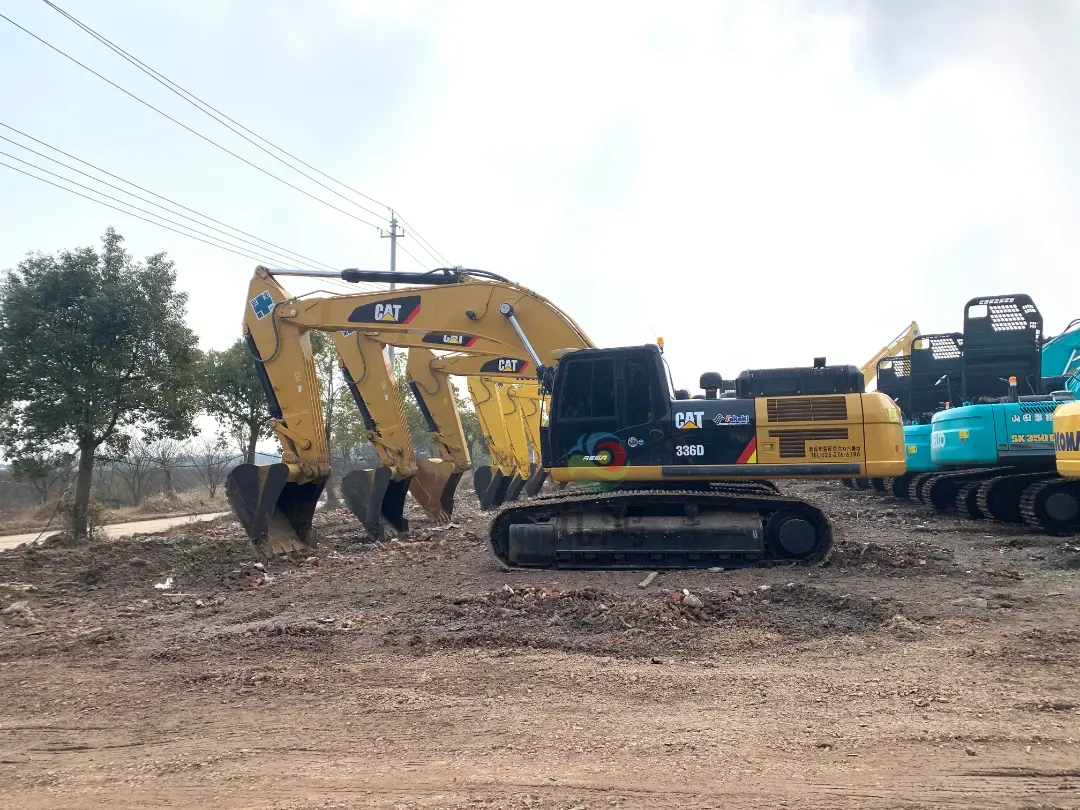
[
  {"x": 491, "y": 485},
  {"x": 536, "y": 481},
  {"x": 434, "y": 486},
  {"x": 377, "y": 500},
  {"x": 275, "y": 512},
  {"x": 513, "y": 490}
]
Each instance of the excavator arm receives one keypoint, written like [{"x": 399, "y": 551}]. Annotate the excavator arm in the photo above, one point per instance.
[
  {"x": 531, "y": 409},
  {"x": 377, "y": 497},
  {"x": 510, "y": 431},
  {"x": 275, "y": 503},
  {"x": 898, "y": 346}
]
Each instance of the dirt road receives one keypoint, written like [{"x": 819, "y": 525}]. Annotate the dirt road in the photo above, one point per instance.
[
  {"x": 931, "y": 663},
  {"x": 115, "y": 530}
]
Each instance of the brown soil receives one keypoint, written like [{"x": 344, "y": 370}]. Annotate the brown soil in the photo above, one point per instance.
[{"x": 931, "y": 662}]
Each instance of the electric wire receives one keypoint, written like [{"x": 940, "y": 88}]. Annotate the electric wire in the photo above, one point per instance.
[
  {"x": 369, "y": 286},
  {"x": 122, "y": 211},
  {"x": 213, "y": 112},
  {"x": 298, "y": 256},
  {"x": 184, "y": 94},
  {"x": 403, "y": 249},
  {"x": 185, "y": 126},
  {"x": 423, "y": 243},
  {"x": 267, "y": 256},
  {"x": 279, "y": 257}
]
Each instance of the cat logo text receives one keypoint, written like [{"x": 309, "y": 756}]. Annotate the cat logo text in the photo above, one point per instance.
[
  {"x": 685, "y": 420},
  {"x": 387, "y": 312}
]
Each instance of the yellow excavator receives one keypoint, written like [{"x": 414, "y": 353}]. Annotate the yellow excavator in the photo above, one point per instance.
[
  {"x": 377, "y": 496},
  {"x": 1066, "y": 491},
  {"x": 456, "y": 304},
  {"x": 674, "y": 482},
  {"x": 897, "y": 347}
]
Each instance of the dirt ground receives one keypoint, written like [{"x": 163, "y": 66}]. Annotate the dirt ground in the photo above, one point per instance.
[{"x": 931, "y": 662}]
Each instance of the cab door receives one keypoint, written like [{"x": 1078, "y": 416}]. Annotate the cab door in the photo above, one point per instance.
[
  {"x": 643, "y": 410},
  {"x": 586, "y": 412}
]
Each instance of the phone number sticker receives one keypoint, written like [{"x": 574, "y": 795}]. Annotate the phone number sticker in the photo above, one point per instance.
[{"x": 835, "y": 451}]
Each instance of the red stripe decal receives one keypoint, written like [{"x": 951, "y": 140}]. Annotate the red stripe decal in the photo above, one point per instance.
[
  {"x": 412, "y": 314},
  {"x": 748, "y": 451}
]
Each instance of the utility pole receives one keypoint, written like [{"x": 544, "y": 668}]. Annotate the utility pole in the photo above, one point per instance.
[{"x": 393, "y": 236}]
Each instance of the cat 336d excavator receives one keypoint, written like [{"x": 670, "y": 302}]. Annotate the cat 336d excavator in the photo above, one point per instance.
[{"x": 673, "y": 482}]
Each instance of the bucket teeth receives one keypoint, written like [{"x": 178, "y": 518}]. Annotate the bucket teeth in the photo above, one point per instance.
[
  {"x": 378, "y": 500},
  {"x": 491, "y": 485},
  {"x": 514, "y": 488},
  {"x": 536, "y": 481},
  {"x": 275, "y": 513},
  {"x": 434, "y": 486}
]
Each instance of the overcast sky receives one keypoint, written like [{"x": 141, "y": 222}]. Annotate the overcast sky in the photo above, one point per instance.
[{"x": 757, "y": 182}]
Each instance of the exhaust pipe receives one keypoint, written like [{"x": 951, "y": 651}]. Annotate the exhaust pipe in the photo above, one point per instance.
[
  {"x": 378, "y": 500},
  {"x": 275, "y": 512},
  {"x": 434, "y": 486}
]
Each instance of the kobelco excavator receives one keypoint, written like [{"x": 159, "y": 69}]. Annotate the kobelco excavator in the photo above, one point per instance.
[{"x": 677, "y": 482}]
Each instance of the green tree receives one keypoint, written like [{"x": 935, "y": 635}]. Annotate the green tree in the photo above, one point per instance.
[
  {"x": 232, "y": 393},
  {"x": 93, "y": 343}
]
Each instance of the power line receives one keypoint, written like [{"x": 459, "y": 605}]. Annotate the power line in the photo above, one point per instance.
[
  {"x": 122, "y": 211},
  {"x": 141, "y": 188},
  {"x": 137, "y": 197},
  {"x": 269, "y": 256},
  {"x": 403, "y": 248},
  {"x": 191, "y": 98},
  {"x": 424, "y": 244},
  {"x": 185, "y": 126},
  {"x": 183, "y": 94}
]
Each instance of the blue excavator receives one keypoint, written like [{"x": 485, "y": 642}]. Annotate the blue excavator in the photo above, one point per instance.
[{"x": 994, "y": 452}]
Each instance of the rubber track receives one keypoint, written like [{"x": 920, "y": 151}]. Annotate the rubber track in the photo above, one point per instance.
[
  {"x": 983, "y": 497},
  {"x": 899, "y": 487},
  {"x": 925, "y": 484},
  {"x": 965, "y": 505},
  {"x": 1032, "y": 518},
  {"x": 741, "y": 501}
]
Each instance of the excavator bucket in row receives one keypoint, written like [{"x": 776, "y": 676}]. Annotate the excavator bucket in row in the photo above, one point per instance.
[
  {"x": 491, "y": 485},
  {"x": 377, "y": 499},
  {"x": 434, "y": 487},
  {"x": 536, "y": 481},
  {"x": 275, "y": 512}
]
